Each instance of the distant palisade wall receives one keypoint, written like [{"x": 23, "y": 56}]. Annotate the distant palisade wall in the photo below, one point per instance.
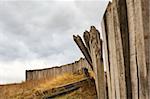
[{"x": 56, "y": 71}]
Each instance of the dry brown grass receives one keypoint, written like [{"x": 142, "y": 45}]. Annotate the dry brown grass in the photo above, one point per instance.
[
  {"x": 61, "y": 80},
  {"x": 28, "y": 89},
  {"x": 16, "y": 91},
  {"x": 87, "y": 91}
]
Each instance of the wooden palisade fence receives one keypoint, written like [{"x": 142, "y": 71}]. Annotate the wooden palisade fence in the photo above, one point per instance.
[{"x": 126, "y": 44}]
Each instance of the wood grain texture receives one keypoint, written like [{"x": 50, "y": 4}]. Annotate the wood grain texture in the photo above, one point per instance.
[
  {"x": 96, "y": 54},
  {"x": 106, "y": 53},
  {"x": 111, "y": 51}
]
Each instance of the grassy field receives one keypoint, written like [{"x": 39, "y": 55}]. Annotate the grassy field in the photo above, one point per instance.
[{"x": 29, "y": 89}]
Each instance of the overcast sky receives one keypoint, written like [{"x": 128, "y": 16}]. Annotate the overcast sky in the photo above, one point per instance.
[{"x": 38, "y": 34}]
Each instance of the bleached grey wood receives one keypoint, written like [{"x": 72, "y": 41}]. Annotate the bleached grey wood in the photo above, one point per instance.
[
  {"x": 109, "y": 27},
  {"x": 106, "y": 53},
  {"x": 141, "y": 47},
  {"x": 96, "y": 54}
]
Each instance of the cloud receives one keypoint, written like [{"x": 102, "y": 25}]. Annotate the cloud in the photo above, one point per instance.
[{"x": 38, "y": 34}]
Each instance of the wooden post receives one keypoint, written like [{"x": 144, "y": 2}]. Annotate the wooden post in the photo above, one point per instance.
[
  {"x": 96, "y": 54},
  {"x": 132, "y": 37},
  {"x": 105, "y": 23},
  {"x": 110, "y": 42}
]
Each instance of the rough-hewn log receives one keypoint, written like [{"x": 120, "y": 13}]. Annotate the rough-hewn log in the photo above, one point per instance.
[
  {"x": 83, "y": 49},
  {"x": 96, "y": 54}
]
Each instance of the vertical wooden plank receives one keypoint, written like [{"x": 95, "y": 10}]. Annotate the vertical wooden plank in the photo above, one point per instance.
[
  {"x": 96, "y": 54},
  {"x": 117, "y": 51},
  {"x": 106, "y": 56},
  {"x": 122, "y": 42},
  {"x": 124, "y": 32},
  {"x": 138, "y": 14},
  {"x": 132, "y": 35},
  {"x": 132, "y": 48},
  {"x": 140, "y": 47},
  {"x": 145, "y": 6},
  {"x": 111, "y": 50},
  {"x": 120, "y": 69},
  {"x": 148, "y": 66}
]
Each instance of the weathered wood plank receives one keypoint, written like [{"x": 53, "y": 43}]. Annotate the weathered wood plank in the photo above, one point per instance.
[
  {"x": 86, "y": 37},
  {"x": 148, "y": 66},
  {"x": 114, "y": 56},
  {"x": 124, "y": 32},
  {"x": 111, "y": 50},
  {"x": 96, "y": 54},
  {"x": 132, "y": 37},
  {"x": 140, "y": 47},
  {"x": 145, "y": 6},
  {"x": 122, "y": 42},
  {"x": 129, "y": 33},
  {"x": 106, "y": 53}
]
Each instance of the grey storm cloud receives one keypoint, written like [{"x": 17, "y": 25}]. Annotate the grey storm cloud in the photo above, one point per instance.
[
  {"x": 31, "y": 30},
  {"x": 41, "y": 28}
]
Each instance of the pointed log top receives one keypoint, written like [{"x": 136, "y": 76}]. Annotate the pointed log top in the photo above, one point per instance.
[
  {"x": 109, "y": 6},
  {"x": 74, "y": 37},
  {"x": 78, "y": 36},
  {"x": 86, "y": 31},
  {"x": 92, "y": 28}
]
